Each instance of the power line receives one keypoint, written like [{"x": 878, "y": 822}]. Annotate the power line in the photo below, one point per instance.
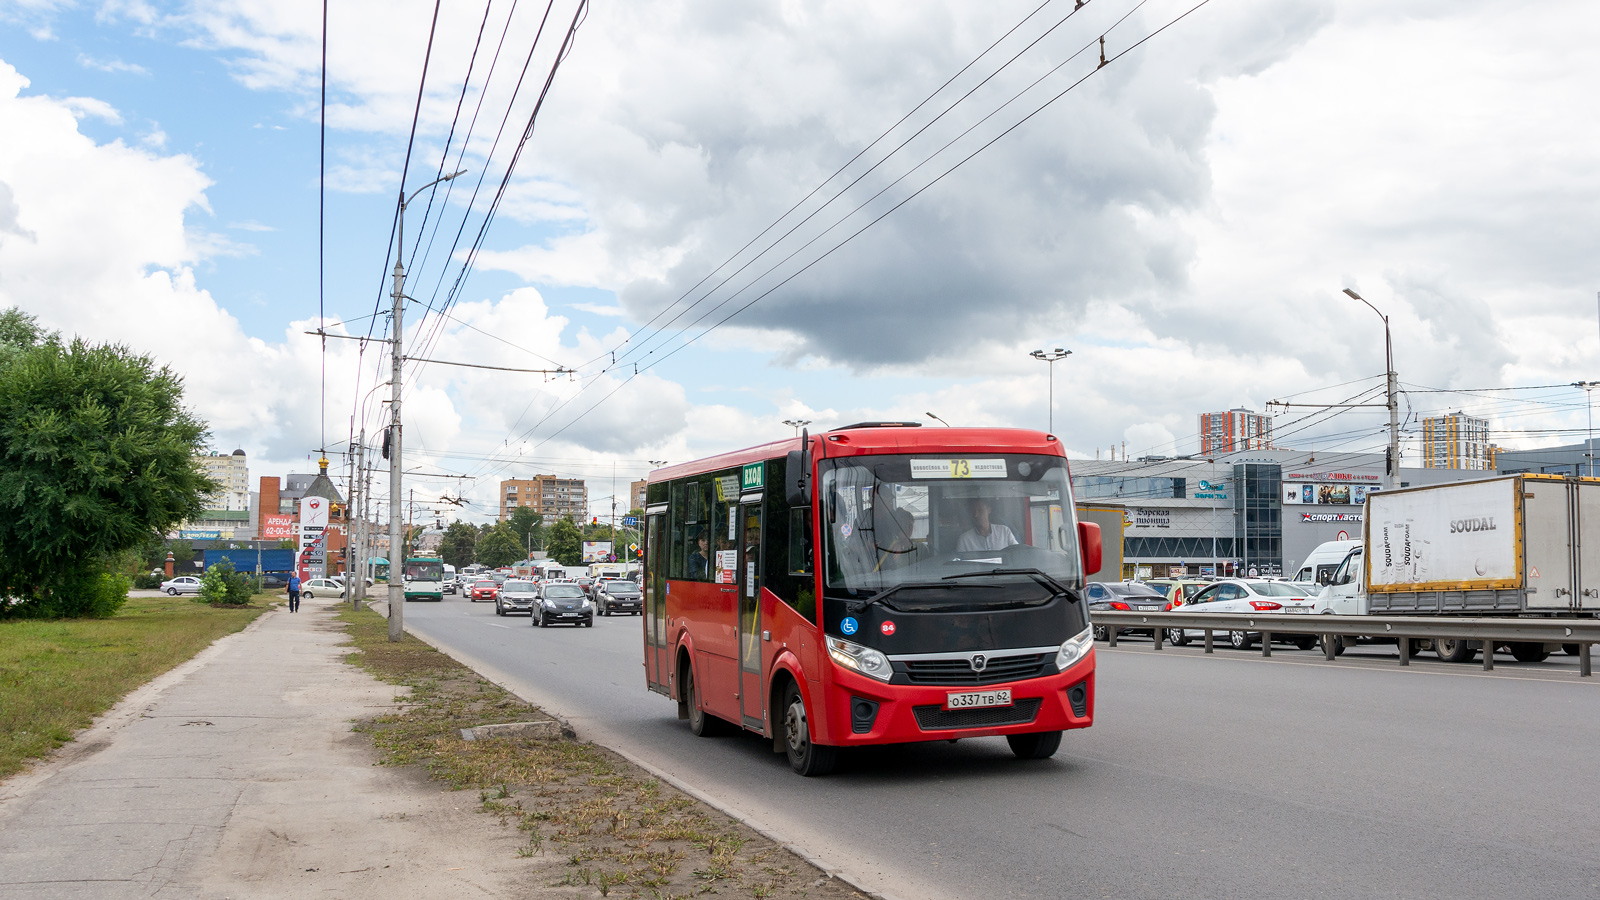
[{"x": 1047, "y": 103}]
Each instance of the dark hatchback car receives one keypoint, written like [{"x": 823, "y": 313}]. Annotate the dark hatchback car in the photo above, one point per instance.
[
  {"x": 1126, "y": 596},
  {"x": 563, "y": 602},
  {"x": 618, "y": 596}
]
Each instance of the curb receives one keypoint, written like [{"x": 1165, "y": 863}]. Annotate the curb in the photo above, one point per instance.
[{"x": 828, "y": 869}]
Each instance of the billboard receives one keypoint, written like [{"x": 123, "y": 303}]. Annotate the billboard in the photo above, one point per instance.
[
  {"x": 277, "y": 527},
  {"x": 596, "y": 551},
  {"x": 313, "y": 530}
]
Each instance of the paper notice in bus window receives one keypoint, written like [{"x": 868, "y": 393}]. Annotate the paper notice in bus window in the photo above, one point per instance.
[
  {"x": 958, "y": 468},
  {"x": 728, "y": 560}
]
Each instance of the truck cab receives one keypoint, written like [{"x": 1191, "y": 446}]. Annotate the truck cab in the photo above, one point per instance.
[{"x": 1345, "y": 593}]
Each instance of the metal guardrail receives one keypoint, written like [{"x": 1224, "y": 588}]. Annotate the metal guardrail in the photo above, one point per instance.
[{"x": 1403, "y": 629}]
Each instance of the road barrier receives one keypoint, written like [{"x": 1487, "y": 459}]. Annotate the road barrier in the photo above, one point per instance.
[{"x": 1403, "y": 629}]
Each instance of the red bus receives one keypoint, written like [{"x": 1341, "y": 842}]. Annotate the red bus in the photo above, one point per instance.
[{"x": 881, "y": 583}]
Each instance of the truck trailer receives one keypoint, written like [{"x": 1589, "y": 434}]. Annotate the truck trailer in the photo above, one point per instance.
[{"x": 1509, "y": 546}]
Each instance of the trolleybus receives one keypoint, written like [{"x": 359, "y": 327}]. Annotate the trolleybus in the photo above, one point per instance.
[
  {"x": 880, "y": 583},
  {"x": 424, "y": 578}
]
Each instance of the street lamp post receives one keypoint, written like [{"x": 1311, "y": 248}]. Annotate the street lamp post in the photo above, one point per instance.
[
  {"x": 1392, "y": 385},
  {"x": 1050, "y": 356},
  {"x": 1588, "y": 390},
  {"x": 397, "y": 559},
  {"x": 939, "y": 420},
  {"x": 797, "y": 424}
]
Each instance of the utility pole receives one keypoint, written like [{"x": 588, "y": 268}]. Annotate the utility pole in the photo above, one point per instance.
[
  {"x": 1391, "y": 467},
  {"x": 397, "y": 559},
  {"x": 1391, "y": 398}
]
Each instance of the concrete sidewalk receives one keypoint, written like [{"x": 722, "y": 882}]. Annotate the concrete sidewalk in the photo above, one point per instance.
[{"x": 237, "y": 775}]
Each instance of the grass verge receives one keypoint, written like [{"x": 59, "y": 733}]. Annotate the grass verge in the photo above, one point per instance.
[
  {"x": 594, "y": 824},
  {"x": 57, "y": 675}
]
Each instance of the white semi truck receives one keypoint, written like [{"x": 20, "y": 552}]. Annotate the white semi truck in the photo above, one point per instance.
[{"x": 1510, "y": 546}]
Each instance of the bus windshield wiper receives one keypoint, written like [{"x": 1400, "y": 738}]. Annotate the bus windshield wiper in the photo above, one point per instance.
[
  {"x": 1038, "y": 575},
  {"x": 857, "y": 607}
]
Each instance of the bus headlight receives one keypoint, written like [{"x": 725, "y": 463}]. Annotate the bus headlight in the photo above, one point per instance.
[
  {"x": 865, "y": 660},
  {"x": 1074, "y": 649}
]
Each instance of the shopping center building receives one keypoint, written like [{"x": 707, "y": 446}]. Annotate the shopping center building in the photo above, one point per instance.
[{"x": 1260, "y": 511}]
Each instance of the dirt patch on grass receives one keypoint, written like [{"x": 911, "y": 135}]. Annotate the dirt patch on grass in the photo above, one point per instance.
[{"x": 593, "y": 823}]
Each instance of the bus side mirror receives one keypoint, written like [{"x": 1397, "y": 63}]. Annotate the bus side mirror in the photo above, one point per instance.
[
  {"x": 796, "y": 479},
  {"x": 1089, "y": 547}
]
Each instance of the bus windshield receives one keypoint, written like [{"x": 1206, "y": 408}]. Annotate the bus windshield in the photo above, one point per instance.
[
  {"x": 424, "y": 570},
  {"x": 914, "y": 522}
]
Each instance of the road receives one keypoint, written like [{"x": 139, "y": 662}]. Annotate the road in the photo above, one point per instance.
[{"x": 1226, "y": 775}]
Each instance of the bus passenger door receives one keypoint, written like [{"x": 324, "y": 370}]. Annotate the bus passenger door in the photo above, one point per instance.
[
  {"x": 752, "y": 699},
  {"x": 655, "y": 604}
]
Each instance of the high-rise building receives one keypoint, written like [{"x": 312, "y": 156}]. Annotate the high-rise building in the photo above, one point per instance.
[
  {"x": 225, "y": 515},
  {"x": 1234, "y": 430},
  {"x": 636, "y": 494},
  {"x": 1457, "y": 441},
  {"x": 551, "y": 496},
  {"x": 232, "y": 472}
]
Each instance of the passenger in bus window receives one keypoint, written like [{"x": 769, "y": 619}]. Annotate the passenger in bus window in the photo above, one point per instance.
[
  {"x": 984, "y": 534},
  {"x": 700, "y": 560}
]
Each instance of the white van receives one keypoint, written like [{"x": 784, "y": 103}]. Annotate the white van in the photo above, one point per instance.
[{"x": 1320, "y": 564}]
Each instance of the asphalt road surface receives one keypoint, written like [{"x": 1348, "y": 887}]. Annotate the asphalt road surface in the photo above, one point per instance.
[{"x": 1226, "y": 775}]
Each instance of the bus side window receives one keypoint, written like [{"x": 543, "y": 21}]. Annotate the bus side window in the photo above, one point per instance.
[
  {"x": 675, "y": 553},
  {"x": 787, "y": 531},
  {"x": 800, "y": 541}
]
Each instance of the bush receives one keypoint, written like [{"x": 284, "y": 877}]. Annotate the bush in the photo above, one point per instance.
[
  {"x": 84, "y": 594},
  {"x": 144, "y": 581},
  {"x": 221, "y": 585}
]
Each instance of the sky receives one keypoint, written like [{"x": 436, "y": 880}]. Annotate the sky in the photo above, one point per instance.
[{"x": 728, "y": 214}]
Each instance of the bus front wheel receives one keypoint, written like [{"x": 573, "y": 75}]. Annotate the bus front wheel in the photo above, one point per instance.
[
  {"x": 805, "y": 757},
  {"x": 1039, "y": 745}
]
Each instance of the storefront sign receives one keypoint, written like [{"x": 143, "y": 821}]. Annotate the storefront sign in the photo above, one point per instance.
[
  {"x": 277, "y": 527},
  {"x": 1137, "y": 517},
  {"x": 1212, "y": 490},
  {"x": 1330, "y": 476},
  {"x": 1330, "y": 517}
]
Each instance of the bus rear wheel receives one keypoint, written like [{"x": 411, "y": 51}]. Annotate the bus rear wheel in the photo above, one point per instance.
[
  {"x": 805, "y": 757},
  {"x": 1039, "y": 745},
  {"x": 701, "y": 723}
]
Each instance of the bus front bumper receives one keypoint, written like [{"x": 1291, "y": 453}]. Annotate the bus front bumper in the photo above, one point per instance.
[{"x": 864, "y": 711}]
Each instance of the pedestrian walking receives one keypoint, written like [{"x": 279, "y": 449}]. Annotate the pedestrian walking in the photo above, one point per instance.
[{"x": 294, "y": 593}]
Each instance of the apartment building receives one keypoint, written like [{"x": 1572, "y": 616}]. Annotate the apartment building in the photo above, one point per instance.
[
  {"x": 1234, "y": 430},
  {"x": 551, "y": 496},
  {"x": 1457, "y": 441}
]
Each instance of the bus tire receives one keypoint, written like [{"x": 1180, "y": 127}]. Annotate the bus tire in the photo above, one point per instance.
[
  {"x": 1529, "y": 651},
  {"x": 1569, "y": 649},
  {"x": 805, "y": 757},
  {"x": 1038, "y": 745},
  {"x": 701, "y": 723},
  {"x": 1453, "y": 650}
]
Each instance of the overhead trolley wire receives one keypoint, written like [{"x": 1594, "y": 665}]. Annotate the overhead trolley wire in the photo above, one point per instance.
[
  {"x": 859, "y": 154},
  {"x": 1047, "y": 103}
]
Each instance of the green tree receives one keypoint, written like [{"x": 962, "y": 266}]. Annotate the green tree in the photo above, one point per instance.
[
  {"x": 458, "y": 545},
  {"x": 500, "y": 548},
  {"x": 565, "y": 542},
  {"x": 96, "y": 455},
  {"x": 529, "y": 527}
]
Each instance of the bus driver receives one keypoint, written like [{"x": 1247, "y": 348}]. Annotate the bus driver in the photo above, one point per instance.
[{"x": 985, "y": 535}]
